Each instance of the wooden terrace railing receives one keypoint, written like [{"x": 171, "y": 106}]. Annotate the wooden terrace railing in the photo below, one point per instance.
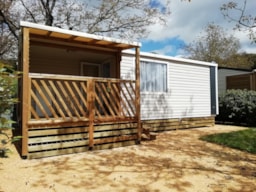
[{"x": 55, "y": 99}]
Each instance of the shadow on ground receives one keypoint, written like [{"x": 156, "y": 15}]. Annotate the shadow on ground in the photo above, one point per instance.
[{"x": 175, "y": 161}]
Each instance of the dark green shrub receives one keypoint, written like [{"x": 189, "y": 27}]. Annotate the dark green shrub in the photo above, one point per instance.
[
  {"x": 238, "y": 107},
  {"x": 8, "y": 87}
]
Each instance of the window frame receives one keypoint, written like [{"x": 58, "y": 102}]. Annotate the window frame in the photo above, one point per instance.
[{"x": 167, "y": 75}]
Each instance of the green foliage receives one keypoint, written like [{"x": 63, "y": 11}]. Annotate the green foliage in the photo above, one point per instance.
[
  {"x": 238, "y": 106},
  {"x": 213, "y": 45},
  {"x": 243, "y": 140},
  {"x": 240, "y": 61},
  {"x": 8, "y": 87}
]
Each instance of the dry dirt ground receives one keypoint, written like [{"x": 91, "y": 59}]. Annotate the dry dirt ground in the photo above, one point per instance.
[{"x": 175, "y": 161}]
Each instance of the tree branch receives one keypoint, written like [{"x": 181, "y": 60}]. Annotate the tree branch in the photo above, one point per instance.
[
  {"x": 243, "y": 20},
  {"x": 28, "y": 11},
  {"x": 12, "y": 27},
  {"x": 48, "y": 11}
]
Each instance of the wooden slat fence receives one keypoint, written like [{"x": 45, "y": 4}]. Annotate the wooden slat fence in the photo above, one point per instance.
[
  {"x": 56, "y": 99},
  {"x": 50, "y": 141},
  {"x": 244, "y": 81},
  {"x": 69, "y": 114}
]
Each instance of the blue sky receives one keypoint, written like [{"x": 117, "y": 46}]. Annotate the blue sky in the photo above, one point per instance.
[
  {"x": 186, "y": 23},
  {"x": 169, "y": 46}
]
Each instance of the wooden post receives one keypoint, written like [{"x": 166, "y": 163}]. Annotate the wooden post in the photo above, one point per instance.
[
  {"x": 91, "y": 109},
  {"x": 25, "y": 91},
  {"x": 118, "y": 76},
  {"x": 137, "y": 91},
  {"x": 253, "y": 81},
  {"x": 118, "y": 64},
  {"x": 250, "y": 76}
]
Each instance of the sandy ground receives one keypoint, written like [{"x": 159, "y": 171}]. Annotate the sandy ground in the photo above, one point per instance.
[{"x": 175, "y": 161}]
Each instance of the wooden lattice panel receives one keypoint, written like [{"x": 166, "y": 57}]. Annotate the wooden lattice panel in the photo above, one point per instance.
[
  {"x": 115, "y": 99},
  {"x": 58, "y": 99}
]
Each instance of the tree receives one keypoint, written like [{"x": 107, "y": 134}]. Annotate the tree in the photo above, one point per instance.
[
  {"x": 242, "y": 18},
  {"x": 8, "y": 29},
  {"x": 214, "y": 45},
  {"x": 241, "y": 61},
  {"x": 116, "y": 18},
  {"x": 7, "y": 43}
]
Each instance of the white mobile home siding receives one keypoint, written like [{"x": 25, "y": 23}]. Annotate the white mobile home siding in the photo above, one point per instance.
[
  {"x": 189, "y": 90},
  {"x": 128, "y": 67},
  {"x": 188, "y": 93}
]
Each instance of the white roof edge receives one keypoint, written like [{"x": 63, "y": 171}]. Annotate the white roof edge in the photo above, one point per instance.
[
  {"x": 77, "y": 33},
  {"x": 165, "y": 57}
]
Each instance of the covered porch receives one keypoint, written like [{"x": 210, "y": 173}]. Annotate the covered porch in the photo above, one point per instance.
[{"x": 72, "y": 96}]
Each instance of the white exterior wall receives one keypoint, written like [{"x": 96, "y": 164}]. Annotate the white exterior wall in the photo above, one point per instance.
[
  {"x": 188, "y": 92},
  {"x": 223, "y": 73},
  {"x": 128, "y": 67}
]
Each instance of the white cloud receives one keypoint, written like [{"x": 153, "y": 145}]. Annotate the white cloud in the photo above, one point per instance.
[
  {"x": 246, "y": 44},
  {"x": 188, "y": 19}
]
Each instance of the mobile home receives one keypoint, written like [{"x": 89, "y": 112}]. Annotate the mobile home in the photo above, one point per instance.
[
  {"x": 175, "y": 92},
  {"x": 80, "y": 91}
]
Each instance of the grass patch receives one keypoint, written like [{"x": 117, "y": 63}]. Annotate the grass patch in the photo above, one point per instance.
[{"x": 244, "y": 140}]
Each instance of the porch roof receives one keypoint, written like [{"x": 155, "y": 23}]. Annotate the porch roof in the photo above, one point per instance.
[{"x": 75, "y": 36}]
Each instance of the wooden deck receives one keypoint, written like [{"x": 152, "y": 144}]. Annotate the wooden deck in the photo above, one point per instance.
[
  {"x": 178, "y": 123},
  {"x": 70, "y": 114}
]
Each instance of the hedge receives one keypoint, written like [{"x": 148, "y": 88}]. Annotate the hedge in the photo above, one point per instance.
[{"x": 238, "y": 107}]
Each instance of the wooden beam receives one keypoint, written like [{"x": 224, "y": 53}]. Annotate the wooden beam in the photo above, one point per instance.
[
  {"x": 44, "y": 39},
  {"x": 49, "y": 33},
  {"x": 39, "y": 124},
  {"x": 137, "y": 91},
  {"x": 25, "y": 91},
  {"x": 118, "y": 64},
  {"x": 91, "y": 109},
  {"x": 254, "y": 81},
  {"x": 72, "y": 46},
  {"x": 115, "y": 139},
  {"x": 58, "y": 145},
  {"x": 177, "y": 123}
]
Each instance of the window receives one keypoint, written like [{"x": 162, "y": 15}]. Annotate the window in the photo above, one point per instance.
[{"x": 153, "y": 76}]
